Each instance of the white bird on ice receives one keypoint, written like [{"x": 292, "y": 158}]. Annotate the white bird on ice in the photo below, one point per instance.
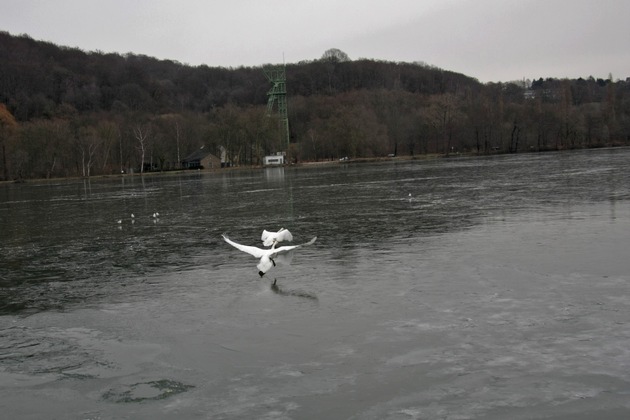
[
  {"x": 267, "y": 256},
  {"x": 272, "y": 238}
]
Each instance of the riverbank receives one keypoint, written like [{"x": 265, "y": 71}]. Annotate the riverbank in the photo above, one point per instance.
[
  {"x": 220, "y": 170},
  {"x": 349, "y": 161}
]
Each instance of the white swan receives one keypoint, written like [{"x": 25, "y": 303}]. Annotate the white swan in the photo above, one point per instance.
[
  {"x": 267, "y": 256},
  {"x": 272, "y": 238}
]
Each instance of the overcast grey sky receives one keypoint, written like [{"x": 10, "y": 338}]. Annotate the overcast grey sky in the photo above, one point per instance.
[{"x": 492, "y": 40}]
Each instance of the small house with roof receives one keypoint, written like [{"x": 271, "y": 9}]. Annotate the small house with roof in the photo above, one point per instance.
[
  {"x": 201, "y": 159},
  {"x": 277, "y": 159}
]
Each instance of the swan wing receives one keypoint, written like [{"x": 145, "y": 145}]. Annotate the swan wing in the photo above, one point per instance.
[
  {"x": 251, "y": 250},
  {"x": 266, "y": 234},
  {"x": 269, "y": 238},
  {"x": 284, "y": 235},
  {"x": 311, "y": 242},
  {"x": 286, "y": 258},
  {"x": 288, "y": 248}
]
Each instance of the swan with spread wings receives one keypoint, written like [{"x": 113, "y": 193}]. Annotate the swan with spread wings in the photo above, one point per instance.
[
  {"x": 272, "y": 238},
  {"x": 267, "y": 256}
]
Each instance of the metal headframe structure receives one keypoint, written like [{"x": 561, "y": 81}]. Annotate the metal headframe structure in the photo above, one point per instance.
[{"x": 278, "y": 95}]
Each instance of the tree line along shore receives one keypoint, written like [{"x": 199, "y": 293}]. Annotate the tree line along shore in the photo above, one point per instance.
[{"x": 65, "y": 112}]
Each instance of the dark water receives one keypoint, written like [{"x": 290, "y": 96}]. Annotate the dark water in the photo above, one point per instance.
[{"x": 498, "y": 289}]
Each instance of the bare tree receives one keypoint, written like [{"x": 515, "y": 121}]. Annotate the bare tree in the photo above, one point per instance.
[
  {"x": 179, "y": 159},
  {"x": 107, "y": 132},
  {"x": 312, "y": 135},
  {"x": 87, "y": 144},
  {"x": 443, "y": 114},
  {"x": 7, "y": 126},
  {"x": 141, "y": 133}
]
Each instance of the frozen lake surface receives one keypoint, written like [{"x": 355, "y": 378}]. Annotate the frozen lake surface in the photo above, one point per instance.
[{"x": 498, "y": 290}]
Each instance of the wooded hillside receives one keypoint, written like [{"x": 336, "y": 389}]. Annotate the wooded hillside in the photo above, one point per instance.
[{"x": 66, "y": 112}]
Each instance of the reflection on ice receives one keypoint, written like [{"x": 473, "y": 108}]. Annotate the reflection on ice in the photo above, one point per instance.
[
  {"x": 296, "y": 293},
  {"x": 274, "y": 174}
]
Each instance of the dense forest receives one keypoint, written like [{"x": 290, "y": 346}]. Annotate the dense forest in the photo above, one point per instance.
[{"x": 66, "y": 112}]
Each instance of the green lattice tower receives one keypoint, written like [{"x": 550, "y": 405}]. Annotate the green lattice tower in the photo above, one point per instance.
[{"x": 278, "y": 95}]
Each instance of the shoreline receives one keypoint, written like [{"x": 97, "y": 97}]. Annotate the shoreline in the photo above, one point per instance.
[
  {"x": 355, "y": 161},
  {"x": 219, "y": 170}
]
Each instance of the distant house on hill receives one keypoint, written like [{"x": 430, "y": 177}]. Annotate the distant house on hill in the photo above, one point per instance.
[{"x": 201, "y": 159}]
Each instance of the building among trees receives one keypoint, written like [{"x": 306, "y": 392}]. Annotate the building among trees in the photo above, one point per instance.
[
  {"x": 277, "y": 159},
  {"x": 201, "y": 159}
]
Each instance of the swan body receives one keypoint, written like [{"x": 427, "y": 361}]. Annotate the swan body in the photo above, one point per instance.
[
  {"x": 272, "y": 238},
  {"x": 267, "y": 256}
]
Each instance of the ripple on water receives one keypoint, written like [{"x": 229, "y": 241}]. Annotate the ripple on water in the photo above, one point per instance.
[
  {"x": 146, "y": 391},
  {"x": 38, "y": 352}
]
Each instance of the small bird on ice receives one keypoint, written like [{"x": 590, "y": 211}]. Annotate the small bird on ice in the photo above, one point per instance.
[
  {"x": 267, "y": 256},
  {"x": 272, "y": 238}
]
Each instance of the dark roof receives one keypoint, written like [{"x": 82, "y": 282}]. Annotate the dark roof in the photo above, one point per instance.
[{"x": 198, "y": 154}]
